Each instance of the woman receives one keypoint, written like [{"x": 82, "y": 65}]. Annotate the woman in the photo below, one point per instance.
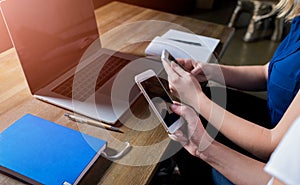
[{"x": 280, "y": 76}]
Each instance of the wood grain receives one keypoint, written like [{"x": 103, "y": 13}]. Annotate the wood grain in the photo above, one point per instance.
[{"x": 125, "y": 28}]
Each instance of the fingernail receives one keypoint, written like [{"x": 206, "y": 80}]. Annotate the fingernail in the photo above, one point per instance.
[{"x": 173, "y": 106}]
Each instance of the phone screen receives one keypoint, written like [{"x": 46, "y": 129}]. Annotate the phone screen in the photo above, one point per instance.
[
  {"x": 171, "y": 58},
  {"x": 160, "y": 98}
]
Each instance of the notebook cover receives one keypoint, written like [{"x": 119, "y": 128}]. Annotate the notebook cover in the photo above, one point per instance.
[
  {"x": 183, "y": 45},
  {"x": 39, "y": 151}
]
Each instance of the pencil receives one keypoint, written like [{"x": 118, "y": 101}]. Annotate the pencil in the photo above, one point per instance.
[{"x": 91, "y": 122}]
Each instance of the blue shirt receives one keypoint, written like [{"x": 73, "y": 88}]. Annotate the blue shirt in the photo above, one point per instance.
[{"x": 284, "y": 73}]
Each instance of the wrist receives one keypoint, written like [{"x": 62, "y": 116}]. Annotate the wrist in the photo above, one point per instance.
[
  {"x": 208, "y": 70},
  {"x": 198, "y": 101},
  {"x": 204, "y": 146}
]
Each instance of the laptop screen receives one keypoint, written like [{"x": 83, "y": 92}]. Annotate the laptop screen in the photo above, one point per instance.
[{"x": 50, "y": 37}]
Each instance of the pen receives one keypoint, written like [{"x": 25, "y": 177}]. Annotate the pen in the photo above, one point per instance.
[
  {"x": 187, "y": 42},
  {"x": 91, "y": 122}
]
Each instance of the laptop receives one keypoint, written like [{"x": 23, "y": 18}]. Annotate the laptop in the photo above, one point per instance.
[{"x": 60, "y": 52}]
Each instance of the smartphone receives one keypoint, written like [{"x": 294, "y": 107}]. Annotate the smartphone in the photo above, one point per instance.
[
  {"x": 166, "y": 56},
  {"x": 159, "y": 100}
]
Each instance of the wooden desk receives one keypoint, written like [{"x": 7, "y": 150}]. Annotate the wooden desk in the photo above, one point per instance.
[{"x": 141, "y": 128}]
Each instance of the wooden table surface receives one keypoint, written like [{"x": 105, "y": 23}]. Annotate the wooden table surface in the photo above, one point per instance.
[{"x": 125, "y": 28}]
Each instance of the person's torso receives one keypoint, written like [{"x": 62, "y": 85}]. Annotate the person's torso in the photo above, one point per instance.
[{"x": 284, "y": 73}]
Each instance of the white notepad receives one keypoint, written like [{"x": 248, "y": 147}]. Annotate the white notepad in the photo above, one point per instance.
[{"x": 183, "y": 45}]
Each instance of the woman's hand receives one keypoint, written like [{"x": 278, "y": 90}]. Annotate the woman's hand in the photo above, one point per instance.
[
  {"x": 195, "y": 68},
  {"x": 183, "y": 84},
  {"x": 192, "y": 136}
]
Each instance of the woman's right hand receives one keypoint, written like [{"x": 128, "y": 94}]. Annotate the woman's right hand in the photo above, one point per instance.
[
  {"x": 197, "y": 69},
  {"x": 183, "y": 84}
]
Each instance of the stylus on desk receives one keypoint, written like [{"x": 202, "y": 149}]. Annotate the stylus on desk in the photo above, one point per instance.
[
  {"x": 91, "y": 122},
  {"x": 186, "y": 42}
]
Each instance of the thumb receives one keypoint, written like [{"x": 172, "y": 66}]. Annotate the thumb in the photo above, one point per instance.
[{"x": 180, "y": 109}]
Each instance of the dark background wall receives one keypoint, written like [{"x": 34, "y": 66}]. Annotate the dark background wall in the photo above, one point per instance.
[{"x": 173, "y": 6}]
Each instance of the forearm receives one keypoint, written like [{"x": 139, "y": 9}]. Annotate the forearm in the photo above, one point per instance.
[
  {"x": 239, "y": 77},
  {"x": 256, "y": 139},
  {"x": 238, "y": 168},
  {"x": 251, "y": 137}
]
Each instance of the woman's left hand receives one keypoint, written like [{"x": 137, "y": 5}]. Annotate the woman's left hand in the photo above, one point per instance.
[{"x": 192, "y": 136}]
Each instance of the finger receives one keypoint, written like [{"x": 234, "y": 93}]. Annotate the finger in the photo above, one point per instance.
[
  {"x": 169, "y": 70},
  {"x": 177, "y": 108},
  {"x": 181, "y": 61},
  {"x": 189, "y": 64},
  {"x": 167, "y": 66},
  {"x": 173, "y": 137},
  {"x": 179, "y": 137},
  {"x": 184, "y": 60},
  {"x": 197, "y": 69},
  {"x": 183, "y": 110},
  {"x": 186, "y": 63},
  {"x": 179, "y": 70}
]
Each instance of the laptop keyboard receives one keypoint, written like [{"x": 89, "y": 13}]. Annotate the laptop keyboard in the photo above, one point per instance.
[{"x": 86, "y": 84}]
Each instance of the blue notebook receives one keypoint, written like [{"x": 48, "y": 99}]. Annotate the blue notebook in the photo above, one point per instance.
[{"x": 42, "y": 152}]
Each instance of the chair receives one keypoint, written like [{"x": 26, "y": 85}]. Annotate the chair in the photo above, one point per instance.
[{"x": 264, "y": 21}]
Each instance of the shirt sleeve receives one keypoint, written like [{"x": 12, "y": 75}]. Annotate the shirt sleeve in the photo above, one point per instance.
[{"x": 284, "y": 163}]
